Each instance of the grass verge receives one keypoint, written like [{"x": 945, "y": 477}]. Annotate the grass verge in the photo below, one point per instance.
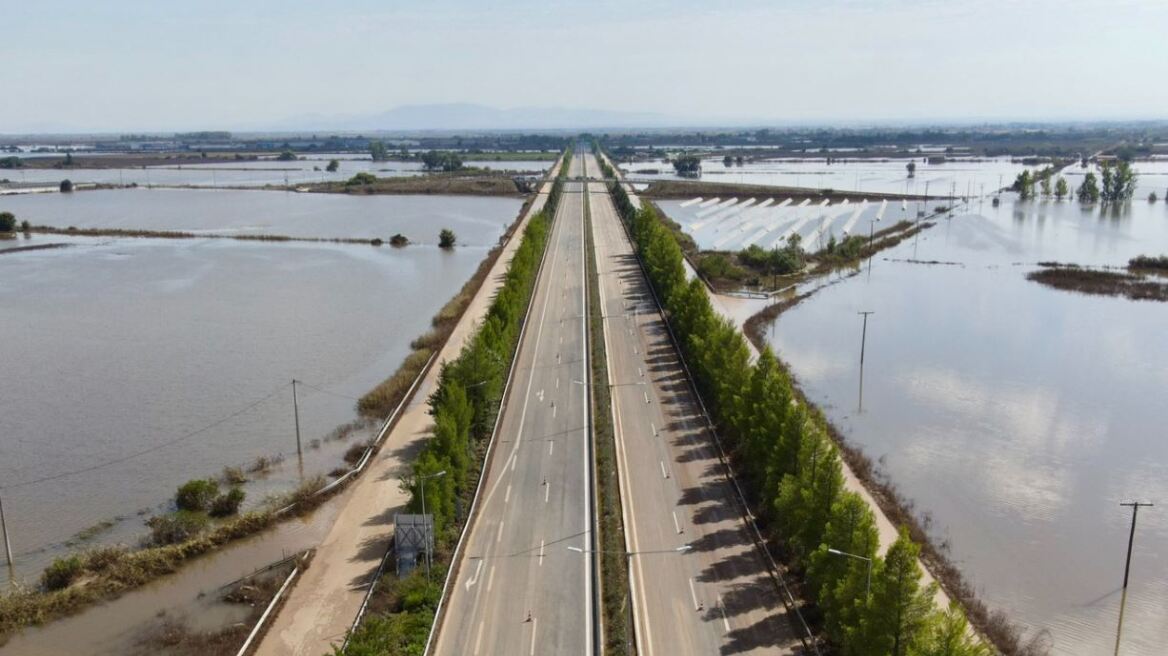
[{"x": 614, "y": 571}]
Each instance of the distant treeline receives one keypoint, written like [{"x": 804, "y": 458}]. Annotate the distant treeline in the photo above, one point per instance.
[{"x": 993, "y": 140}]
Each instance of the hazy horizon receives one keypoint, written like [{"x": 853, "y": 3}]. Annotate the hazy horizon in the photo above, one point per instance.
[{"x": 273, "y": 66}]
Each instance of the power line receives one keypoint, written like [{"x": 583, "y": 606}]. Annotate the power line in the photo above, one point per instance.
[
  {"x": 151, "y": 449},
  {"x": 324, "y": 391}
]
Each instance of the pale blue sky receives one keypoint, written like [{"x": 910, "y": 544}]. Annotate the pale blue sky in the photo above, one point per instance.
[{"x": 155, "y": 65}]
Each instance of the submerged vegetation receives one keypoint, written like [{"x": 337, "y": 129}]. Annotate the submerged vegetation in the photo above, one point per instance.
[
  {"x": 1132, "y": 284},
  {"x": 73, "y": 582},
  {"x": 791, "y": 469}
]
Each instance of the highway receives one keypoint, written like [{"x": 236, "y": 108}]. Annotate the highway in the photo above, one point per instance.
[
  {"x": 699, "y": 585},
  {"x": 519, "y": 589}
]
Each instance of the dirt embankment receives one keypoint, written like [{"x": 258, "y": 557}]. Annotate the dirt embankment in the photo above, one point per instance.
[
  {"x": 477, "y": 185},
  {"x": 129, "y": 161},
  {"x": 684, "y": 189}
]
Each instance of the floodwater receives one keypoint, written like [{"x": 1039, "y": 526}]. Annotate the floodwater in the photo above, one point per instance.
[
  {"x": 476, "y": 220},
  {"x": 142, "y": 363},
  {"x": 959, "y": 177},
  {"x": 191, "y": 596},
  {"x": 248, "y": 173},
  {"x": 1017, "y": 416}
]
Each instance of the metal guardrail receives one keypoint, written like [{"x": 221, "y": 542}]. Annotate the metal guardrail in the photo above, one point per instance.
[{"x": 267, "y": 612}]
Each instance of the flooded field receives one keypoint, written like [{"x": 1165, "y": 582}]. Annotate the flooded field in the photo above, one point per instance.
[
  {"x": 959, "y": 176},
  {"x": 478, "y": 221},
  {"x": 1018, "y": 417},
  {"x": 134, "y": 365},
  {"x": 250, "y": 173}
]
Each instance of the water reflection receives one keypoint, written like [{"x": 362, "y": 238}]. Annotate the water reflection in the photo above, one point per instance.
[
  {"x": 1017, "y": 415},
  {"x": 118, "y": 345}
]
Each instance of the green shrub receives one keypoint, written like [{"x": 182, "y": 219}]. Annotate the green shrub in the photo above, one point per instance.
[
  {"x": 176, "y": 527},
  {"x": 66, "y": 186},
  {"x": 196, "y": 495},
  {"x": 446, "y": 238},
  {"x": 7, "y": 222},
  {"x": 61, "y": 573},
  {"x": 227, "y": 504},
  {"x": 361, "y": 178}
]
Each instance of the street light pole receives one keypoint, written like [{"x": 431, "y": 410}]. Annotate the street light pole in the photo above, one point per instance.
[
  {"x": 1135, "y": 506},
  {"x": 868, "y": 585},
  {"x": 426, "y": 546},
  {"x": 863, "y": 343}
]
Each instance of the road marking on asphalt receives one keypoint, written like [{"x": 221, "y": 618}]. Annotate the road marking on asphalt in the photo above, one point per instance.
[
  {"x": 547, "y": 489},
  {"x": 664, "y": 474},
  {"x": 553, "y": 410},
  {"x": 654, "y": 427},
  {"x": 693, "y": 594},
  {"x": 675, "y": 524},
  {"x": 722, "y": 607},
  {"x": 541, "y": 553},
  {"x": 534, "y": 623},
  {"x": 539, "y": 394},
  {"x": 640, "y": 373},
  {"x": 551, "y": 446},
  {"x": 646, "y": 397},
  {"x": 635, "y": 350},
  {"x": 474, "y": 579},
  {"x": 479, "y": 637},
  {"x": 557, "y": 383},
  {"x": 514, "y": 459},
  {"x": 499, "y": 536},
  {"x": 507, "y": 496},
  {"x": 491, "y": 578}
]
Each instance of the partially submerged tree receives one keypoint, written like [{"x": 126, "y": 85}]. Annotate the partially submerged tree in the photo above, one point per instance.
[
  {"x": 1119, "y": 182},
  {"x": 689, "y": 166},
  {"x": 911, "y": 167},
  {"x": 66, "y": 185},
  {"x": 7, "y": 222},
  {"x": 437, "y": 160},
  {"x": 446, "y": 238},
  {"x": 1060, "y": 188},
  {"x": 1089, "y": 191},
  {"x": 378, "y": 151},
  {"x": 333, "y": 165}
]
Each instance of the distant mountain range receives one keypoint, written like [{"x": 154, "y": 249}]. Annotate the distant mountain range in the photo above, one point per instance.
[{"x": 467, "y": 116}]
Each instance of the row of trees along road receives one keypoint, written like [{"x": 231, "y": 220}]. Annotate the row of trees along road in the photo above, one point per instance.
[{"x": 791, "y": 468}]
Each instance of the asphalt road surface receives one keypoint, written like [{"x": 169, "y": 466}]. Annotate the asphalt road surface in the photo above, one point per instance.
[
  {"x": 699, "y": 585},
  {"x": 520, "y": 589}
]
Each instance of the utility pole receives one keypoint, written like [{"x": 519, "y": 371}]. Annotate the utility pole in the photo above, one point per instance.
[
  {"x": 296, "y": 416},
  {"x": 428, "y": 525},
  {"x": 863, "y": 342},
  {"x": 4, "y": 529},
  {"x": 1135, "y": 506}
]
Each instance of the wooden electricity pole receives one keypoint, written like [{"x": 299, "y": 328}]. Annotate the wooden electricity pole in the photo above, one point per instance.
[
  {"x": 4, "y": 530},
  {"x": 1131, "y": 536},
  {"x": 863, "y": 342}
]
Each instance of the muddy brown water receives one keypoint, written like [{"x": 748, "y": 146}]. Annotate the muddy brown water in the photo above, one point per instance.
[{"x": 1017, "y": 416}]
